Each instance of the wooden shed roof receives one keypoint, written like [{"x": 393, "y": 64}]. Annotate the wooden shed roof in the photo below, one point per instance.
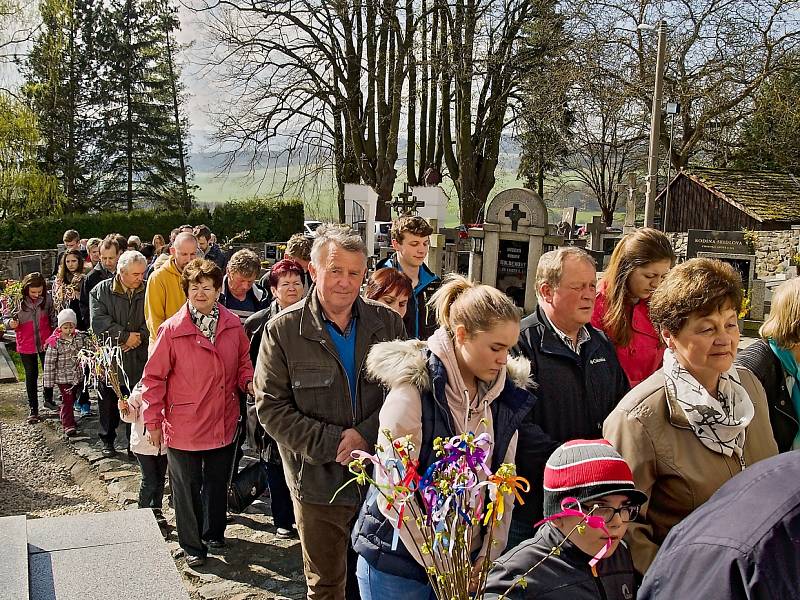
[{"x": 764, "y": 195}]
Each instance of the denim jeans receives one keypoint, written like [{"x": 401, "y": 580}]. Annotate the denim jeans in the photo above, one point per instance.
[{"x": 377, "y": 585}]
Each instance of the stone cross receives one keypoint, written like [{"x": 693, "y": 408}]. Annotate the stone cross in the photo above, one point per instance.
[
  {"x": 596, "y": 229},
  {"x": 406, "y": 202},
  {"x": 515, "y": 215}
]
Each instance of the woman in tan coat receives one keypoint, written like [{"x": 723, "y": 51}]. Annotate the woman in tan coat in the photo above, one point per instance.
[{"x": 698, "y": 421}]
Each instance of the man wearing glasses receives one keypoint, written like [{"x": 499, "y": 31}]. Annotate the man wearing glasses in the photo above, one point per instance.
[{"x": 589, "y": 499}]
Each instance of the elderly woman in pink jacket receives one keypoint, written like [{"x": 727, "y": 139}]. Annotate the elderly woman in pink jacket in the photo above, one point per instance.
[{"x": 190, "y": 393}]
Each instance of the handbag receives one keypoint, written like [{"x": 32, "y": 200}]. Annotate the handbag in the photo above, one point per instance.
[{"x": 246, "y": 485}]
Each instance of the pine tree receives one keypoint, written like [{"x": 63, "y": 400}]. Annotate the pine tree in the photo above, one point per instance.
[
  {"x": 59, "y": 85},
  {"x": 144, "y": 127},
  {"x": 769, "y": 136}
]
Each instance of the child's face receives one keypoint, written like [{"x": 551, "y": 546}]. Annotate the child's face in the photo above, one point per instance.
[
  {"x": 67, "y": 329},
  {"x": 72, "y": 263},
  {"x": 34, "y": 293},
  {"x": 592, "y": 540}
]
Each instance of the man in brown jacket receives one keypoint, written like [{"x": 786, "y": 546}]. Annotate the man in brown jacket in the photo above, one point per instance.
[{"x": 313, "y": 398}]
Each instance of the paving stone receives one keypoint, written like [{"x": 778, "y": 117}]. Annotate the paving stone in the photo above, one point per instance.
[
  {"x": 76, "y": 439},
  {"x": 108, "y": 464},
  {"x": 14, "y": 557},
  {"x": 221, "y": 589},
  {"x": 110, "y": 475},
  {"x": 148, "y": 573},
  {"x": 92, "y": 529},
  {"x": 113, "y": 544},
  {"x": 128, "y": 498},
  {"x": 93, "y": 456}
]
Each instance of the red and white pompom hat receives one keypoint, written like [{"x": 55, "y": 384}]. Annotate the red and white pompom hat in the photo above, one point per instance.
[{"x": 587, "y": 470}]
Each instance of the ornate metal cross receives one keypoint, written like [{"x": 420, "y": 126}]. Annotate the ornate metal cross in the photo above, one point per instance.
[
  {"x": 515, "y": 215},
  {"x": 406, "y": 203}
]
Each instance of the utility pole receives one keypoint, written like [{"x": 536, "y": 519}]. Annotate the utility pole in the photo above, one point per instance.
[{"x": 655, "y": 128}]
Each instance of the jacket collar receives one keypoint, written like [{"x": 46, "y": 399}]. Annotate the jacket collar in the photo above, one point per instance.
[
  {"x": 255, "y": 289},
  {"x": 675, "y": 413},
  {"x": 426, "y": 276},
  {"x": 185, "y": 326},
  {"x": 550, "y": 341},
  {"x": 119, "y": 289},
  {"x": 312, "y": 326}
]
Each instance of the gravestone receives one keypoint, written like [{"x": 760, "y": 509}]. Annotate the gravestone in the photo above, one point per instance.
[
  {"x": 596, "y": 229},
  {"x": 630, "y": 214},
  {"x": 745, "y": 264},
  {"x": 568, "y": 217},
  {"x": 506, "y": 251},
  {"x": 23, "y": 265},
  {"x": 758, "y": 292},
  {"x": 718, "y": 242},
  {"x": 361, "y": 205}
]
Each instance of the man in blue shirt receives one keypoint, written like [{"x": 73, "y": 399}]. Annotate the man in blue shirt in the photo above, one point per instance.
[
  {"x": 314, "y": 399},
  {"x": 411, "y": 237}
]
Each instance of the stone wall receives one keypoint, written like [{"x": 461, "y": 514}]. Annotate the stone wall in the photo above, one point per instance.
[
  {"x": 774, "y": 249},
  {"x": 9, "y": 268}
]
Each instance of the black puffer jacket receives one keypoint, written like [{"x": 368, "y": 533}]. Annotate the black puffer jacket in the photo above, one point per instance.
[
  {"x": 762, "y": 362},
  {"x": 565, "y": 576},
  {"x": 575, "y": 394}
]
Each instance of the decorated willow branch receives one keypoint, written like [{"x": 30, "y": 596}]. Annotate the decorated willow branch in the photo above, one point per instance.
[
  {"x": 455, "y": 497},
  {"x": 102, "y": 358},
  {"x": 457, "y": 494}
]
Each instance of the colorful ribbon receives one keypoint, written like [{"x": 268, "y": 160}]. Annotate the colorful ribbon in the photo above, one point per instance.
[{"x": 591, "y": 521}]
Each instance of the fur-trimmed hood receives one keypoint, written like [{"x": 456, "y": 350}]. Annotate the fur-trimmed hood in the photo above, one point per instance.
[{"x": 398, "y": 362}]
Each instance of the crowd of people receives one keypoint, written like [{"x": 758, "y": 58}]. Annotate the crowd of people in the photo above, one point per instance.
[{"x": 621, "y": 400}]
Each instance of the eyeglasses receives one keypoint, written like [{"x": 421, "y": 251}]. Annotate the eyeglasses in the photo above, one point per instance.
[{"x": 627, "y": 513}]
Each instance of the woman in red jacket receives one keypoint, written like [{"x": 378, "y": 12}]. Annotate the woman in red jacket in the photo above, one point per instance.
[
  {"x": 638, "y": 265},
  {"x": 190, "y": 392}
]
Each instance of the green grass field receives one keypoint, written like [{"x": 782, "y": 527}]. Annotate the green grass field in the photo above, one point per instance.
[{"x": 319, "y": 197}]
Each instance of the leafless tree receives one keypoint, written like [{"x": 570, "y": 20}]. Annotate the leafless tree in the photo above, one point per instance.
[{"x": 719, "y": 53}]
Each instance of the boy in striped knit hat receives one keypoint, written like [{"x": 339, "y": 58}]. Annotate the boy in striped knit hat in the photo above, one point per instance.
[{"x": 589, "y": 499}]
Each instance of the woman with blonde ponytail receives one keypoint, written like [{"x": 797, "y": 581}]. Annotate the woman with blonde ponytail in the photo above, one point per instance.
[
  {"x": 638, "y": 265},
  {"x": 461, "y": 380}
]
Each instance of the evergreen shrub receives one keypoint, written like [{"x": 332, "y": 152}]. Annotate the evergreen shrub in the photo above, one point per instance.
[{"x": 267, "y": 220}]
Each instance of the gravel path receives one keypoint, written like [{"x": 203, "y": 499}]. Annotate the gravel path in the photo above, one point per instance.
[
  {"x": 35, "y": 482},
  {"x": 46, "y": 475}
]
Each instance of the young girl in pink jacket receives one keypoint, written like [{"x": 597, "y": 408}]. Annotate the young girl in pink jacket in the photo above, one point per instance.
[{"x": 33, "y": 323}]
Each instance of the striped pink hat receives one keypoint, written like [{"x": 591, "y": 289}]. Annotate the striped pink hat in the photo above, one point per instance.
[{"x": 587, "y": 470}]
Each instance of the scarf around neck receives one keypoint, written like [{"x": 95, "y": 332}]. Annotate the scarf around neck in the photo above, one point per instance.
[
  {"x": 719, "y": 423},
  {"x": 791, "y": 369},
  {"x": 207, "y": 324}
]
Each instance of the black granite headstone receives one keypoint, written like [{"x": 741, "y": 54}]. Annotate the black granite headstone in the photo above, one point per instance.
[
  {"x": 718, "y": 242},
  {"x": 512, "y": 269}
]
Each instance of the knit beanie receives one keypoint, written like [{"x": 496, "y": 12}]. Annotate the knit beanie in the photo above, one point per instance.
[
  {"x": 67, "y": 315},
  {"x": 586, "y": 470}
]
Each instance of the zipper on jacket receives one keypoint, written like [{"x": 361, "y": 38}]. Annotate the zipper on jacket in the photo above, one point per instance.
[
  {"x": 598, "y": 583},
  {"x": 358, "y": 375}
]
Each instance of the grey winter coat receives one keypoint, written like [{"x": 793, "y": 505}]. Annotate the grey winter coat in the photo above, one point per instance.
[{"x": 116, "y": 314}]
